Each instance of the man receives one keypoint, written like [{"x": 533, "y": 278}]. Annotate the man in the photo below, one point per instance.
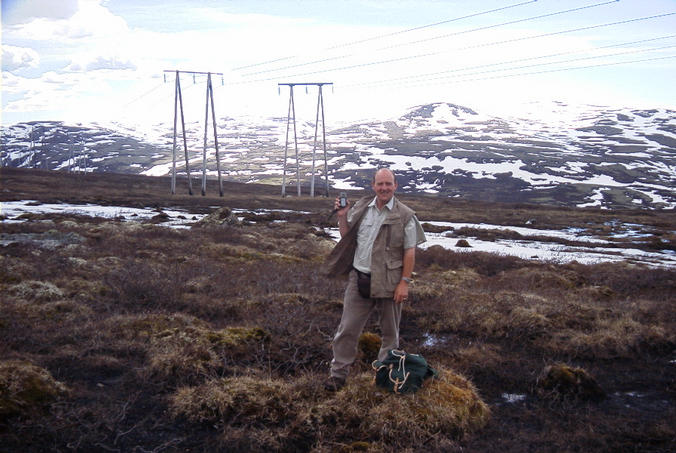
[{"x": 377, "y": 251}]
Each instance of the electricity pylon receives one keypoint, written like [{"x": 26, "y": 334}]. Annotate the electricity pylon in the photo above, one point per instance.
[
  {"x": 291, "y": 117},
  {"x": 178, "y": 101}
]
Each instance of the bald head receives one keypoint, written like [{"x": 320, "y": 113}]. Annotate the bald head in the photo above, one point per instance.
[
  {"x": 384, "y": 184},
  {"x": 381, "y": 171}
]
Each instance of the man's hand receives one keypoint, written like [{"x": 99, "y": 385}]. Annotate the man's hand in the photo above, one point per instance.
[
  {"x": 343, "y": 227},
  {"x": 340, "y": 211},
  {"x": 401, "y": 292}
]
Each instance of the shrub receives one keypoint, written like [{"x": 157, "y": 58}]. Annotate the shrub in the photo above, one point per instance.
[
  {"x": 25, "y": 387},
  {"x": 33, "y": 290},
  {"x": 486, "y": 264},
  {"x": 142, "y": 284}
]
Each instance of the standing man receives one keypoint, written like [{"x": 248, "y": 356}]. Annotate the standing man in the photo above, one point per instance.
[{"x": 377, "y": 251}]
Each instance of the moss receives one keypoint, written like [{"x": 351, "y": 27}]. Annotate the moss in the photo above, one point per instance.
[
  {"x": 236, "y": 336},
  {"x": 34, "y": 290},
  {"x": 548, "y": 278},
  {"x": 186, "y": 353},
  {"x": 25, "y": 387},
  {"x": 238, "y": 401},
  {"x": 460, "y": 277},
  {"x": 147, "y": 325},
  {"x": 449, "y": 404},
  {"x": 369, "y": 345},
  {"x": 561, "y": 381},
  {"x": 360, "y": 417}
]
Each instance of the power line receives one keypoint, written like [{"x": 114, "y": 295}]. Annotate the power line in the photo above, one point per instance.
[
  {"x": 437, "y": 37},
  {"x": 488, "y": 27},
  {"x": 262, "y": 63},
  {"x": 387, "y": 35},
  {"x": 504, "y": 76},
  {"x": 539, "y": 57},
  {"x": 493, "y": 43},
  {"x": 373, "y": 38},
  {"x": 141, "y": 96},
  {"x": 558, "y": 62}
]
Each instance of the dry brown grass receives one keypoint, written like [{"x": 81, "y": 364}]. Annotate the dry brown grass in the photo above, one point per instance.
[
  {"x": 297, "y": 410},
  {"x": 218, "y": 337},
  {"x": 26, "y": 388}
]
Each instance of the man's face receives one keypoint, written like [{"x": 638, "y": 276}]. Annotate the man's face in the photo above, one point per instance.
[{"x": 384, "y": 186}]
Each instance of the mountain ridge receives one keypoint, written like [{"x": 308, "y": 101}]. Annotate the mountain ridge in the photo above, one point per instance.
[{"x": 607, "y": 157}]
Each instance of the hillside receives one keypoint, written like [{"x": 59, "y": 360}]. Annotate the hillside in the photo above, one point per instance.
[
  {"x": 126, "y": 333},
  {"x": 559, "y": 155}
]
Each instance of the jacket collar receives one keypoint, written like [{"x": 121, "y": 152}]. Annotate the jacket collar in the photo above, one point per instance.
[{"x": 389, "y": 205}]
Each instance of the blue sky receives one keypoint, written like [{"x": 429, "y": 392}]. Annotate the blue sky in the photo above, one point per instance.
[{"x": 102, "y": 60}]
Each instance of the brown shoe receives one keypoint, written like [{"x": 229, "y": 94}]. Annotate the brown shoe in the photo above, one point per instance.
[{"x": 334, "y": 383}]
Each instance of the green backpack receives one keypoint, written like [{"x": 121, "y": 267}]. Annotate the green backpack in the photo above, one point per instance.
[{"x": 402, "y": 372}]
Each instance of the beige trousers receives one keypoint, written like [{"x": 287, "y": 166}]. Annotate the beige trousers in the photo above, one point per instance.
[{"x": 356, "y": 311}]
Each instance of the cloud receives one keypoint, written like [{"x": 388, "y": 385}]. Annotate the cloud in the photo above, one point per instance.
[
  {"x": 23, "y": 12},
  {"x": 101, "y": 62},
  {"x": 15, "y": 58},
  {"x": 89, "y": 19},
  {"x": 69, "y": 92}
]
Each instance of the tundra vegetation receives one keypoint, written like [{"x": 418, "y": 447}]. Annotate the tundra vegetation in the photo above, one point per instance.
[{"x": 132, "y": 336}]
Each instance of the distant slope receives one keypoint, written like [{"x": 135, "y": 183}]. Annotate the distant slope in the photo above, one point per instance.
[{"x": 558, "y": 155}]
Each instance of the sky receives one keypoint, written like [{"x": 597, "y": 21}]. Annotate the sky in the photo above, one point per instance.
[{"x": 105, "y": 60}]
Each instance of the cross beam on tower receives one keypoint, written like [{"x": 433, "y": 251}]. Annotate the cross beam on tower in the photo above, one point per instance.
[
  {"x": 291, "y": 117},
  {"x": 178, "y": 100}
]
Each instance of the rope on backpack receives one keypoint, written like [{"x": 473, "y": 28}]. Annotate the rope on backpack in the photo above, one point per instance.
[{"x": 397, "y": 384}]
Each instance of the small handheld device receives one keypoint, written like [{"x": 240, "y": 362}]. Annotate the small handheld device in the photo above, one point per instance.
[{"x": 342, "y": 197}]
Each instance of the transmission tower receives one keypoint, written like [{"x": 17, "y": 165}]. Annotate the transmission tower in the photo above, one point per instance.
[
  {"x": 291, "y": 118},
  {"x": 178, "y": 101}
]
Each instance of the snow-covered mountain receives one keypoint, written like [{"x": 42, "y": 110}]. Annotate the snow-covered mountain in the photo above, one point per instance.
[{"x": 561, "y": 155}]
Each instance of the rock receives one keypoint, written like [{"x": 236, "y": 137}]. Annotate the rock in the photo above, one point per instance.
[
  {"x": 221, "y": 216},
  {"x": 462, "y": 243}
]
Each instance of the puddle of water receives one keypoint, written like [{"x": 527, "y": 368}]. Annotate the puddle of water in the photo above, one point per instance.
[
  {"x": 431, "y": 340},
  {"x": 513, "y": 397}
]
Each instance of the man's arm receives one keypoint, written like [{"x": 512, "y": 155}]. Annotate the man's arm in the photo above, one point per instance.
[
  {"x": 343, "y": 226},
  {"x": 401, "y": 291}
]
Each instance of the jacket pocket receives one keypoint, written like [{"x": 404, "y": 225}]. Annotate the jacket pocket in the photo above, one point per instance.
[
  {"x": 394, "y": 268},
  {"x": 394, "y": 264}
]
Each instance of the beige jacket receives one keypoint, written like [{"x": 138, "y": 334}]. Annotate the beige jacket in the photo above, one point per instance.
[{"x": 388, "y": 249}]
